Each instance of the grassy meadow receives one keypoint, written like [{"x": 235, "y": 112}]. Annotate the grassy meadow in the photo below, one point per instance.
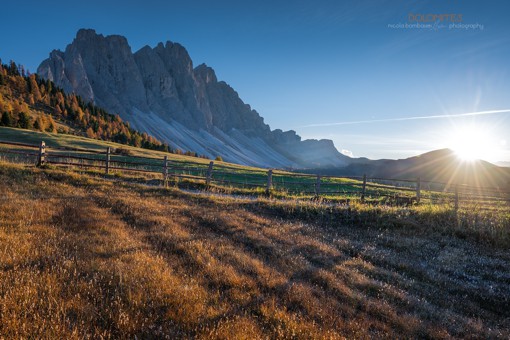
[
  {"x": 82, "y": 256},
  {"x": 191, "y": 171}
]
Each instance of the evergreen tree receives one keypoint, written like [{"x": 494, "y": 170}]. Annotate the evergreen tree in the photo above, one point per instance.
[
  {"x": 37, "y": 126},
  {"x": 24, "y": 121},
  {"x": 13, "y": 69},
  {"x": 6, "y": 119},
  {"x": 121, "y": 138}
]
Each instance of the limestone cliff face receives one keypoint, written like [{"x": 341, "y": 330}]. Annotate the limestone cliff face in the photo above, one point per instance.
[
  {"x": 100, "y": 69},
  {"x": 159, "y": 91}
]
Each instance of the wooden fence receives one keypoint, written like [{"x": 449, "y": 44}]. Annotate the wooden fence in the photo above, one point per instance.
[{"x": 391, "y": 191}]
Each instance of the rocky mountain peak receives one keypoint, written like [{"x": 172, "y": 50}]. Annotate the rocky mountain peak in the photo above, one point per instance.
[
  {"x": 205, "y": 73},
  {"x": 56, "y": 54},
  {"x": 158, "y": 91},
  {"x": 175, "y": 55},
  {"x": 87, "y": 34}
]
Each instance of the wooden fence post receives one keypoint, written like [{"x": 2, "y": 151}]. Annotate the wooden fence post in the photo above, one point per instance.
[
  {"x": 107, "y": 168},
  {"x": 269, "y": 181},
  {"x": 364, "y": 188},
  {"x": 209, "y": 174},
  {"x": 318, "y": 185},
  {"x": 165, "y": 171},
  {"x": 418, "y": 190},
  {"x": 42, "y": 154},
  {"x": 456, "y": 197}
]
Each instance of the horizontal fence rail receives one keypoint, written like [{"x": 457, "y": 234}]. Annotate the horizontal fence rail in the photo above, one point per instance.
[{"x": 271, "y": 181}]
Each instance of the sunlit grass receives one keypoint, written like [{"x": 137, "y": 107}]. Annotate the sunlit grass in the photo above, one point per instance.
[{"x": 82, "y": 256}]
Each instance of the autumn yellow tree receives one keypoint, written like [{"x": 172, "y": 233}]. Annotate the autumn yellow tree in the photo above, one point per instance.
[
  {"x": 40, "y": 123},
  {"x": 51, "y": 126},
  {"x": 90, "y": 133},
  {"x": 34, "y": 88}
]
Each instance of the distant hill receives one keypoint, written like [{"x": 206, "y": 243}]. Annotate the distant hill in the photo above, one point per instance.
[
  {"x": 159, "y": 91},
  {"x": 503, "y": 164},
  {"x": 439, "y": 166}
]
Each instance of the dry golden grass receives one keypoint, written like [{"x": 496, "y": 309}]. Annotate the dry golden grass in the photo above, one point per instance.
[{"x": 81, "y": 257}]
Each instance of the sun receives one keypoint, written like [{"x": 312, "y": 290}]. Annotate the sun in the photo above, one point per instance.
[{"x": 472, "y": 143}]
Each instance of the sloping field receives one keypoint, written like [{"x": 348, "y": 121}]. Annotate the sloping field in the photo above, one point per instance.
[
  {"x": 87, "y": 257},
  {"x": 71, "y": 141},
  {"x": 22, "y": 146}
]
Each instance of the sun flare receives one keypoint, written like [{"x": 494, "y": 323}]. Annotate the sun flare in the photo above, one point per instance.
[{"x": 471, "y": 143}]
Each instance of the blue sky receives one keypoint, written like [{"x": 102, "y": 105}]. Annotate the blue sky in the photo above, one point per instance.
[{"x": 301, "y": 64}]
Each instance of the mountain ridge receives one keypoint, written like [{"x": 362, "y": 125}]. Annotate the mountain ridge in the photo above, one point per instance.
[
  {"x": 159, "y": 92},
  {"x": 441, "y": 165}
]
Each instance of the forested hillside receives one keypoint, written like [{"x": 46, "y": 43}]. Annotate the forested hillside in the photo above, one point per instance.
[{"x": 30, "y": 102}]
